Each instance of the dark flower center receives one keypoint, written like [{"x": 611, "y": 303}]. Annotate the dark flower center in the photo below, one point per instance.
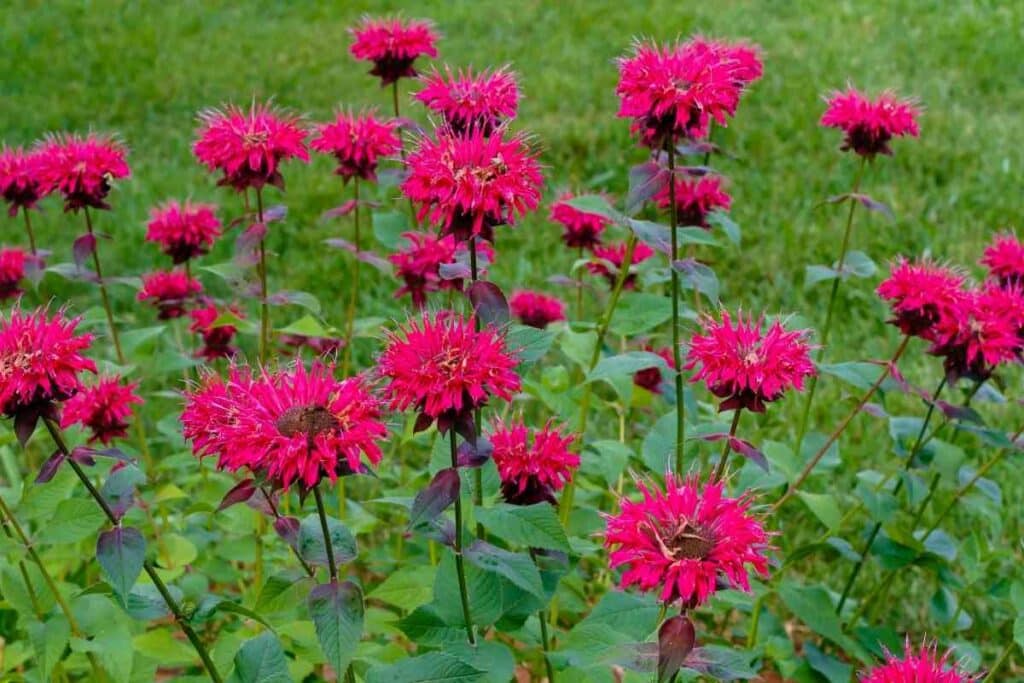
[
  {"x": 308, "y": 420},
  {"x": 691, "y": 542}
]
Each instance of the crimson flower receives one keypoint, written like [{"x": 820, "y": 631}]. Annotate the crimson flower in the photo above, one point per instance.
[
  {"x": 674, "y": 92},
  {"x": 471, "y": 101},
  {"x": 651, "y": 378},
  {"x": 984, "y": 330},
  {"x": 1004, "y": 259},
  {"x": 81, "y": 168},
  {"x": 470, "y": 183},
  {"x": 216, "y": 339},
  {"x": 536, "y": 309},
  {"x": 869, "y": 125},
  {"x": 183, "y": 231},
  {"x": 20, "y": 184},
  {"x": 357, "y": 142},
  {"x": 747, "y": 366},
  {"x": 320, "y": 346},
  {"x": 684, "y": 543},
  {"x": 293, "y": 425},
  {"x": 615, "y": 254},
  {"x": 103, "y": 408},
  {"x": 12, "y": 271},
  {"x": 925, "y": 665},
  {"x": 40, "y": 359},
  {"x": 582, "y": 230},
  {"x": 921, "y": 294},
  {"x": 444, "y": 369},
  {"x": 742, "y": 59},
  {"x": 695, "y": 199},
  {"x": 169, "y": 292},
  {"x": 248, "y": 147},
  {"x": 393, "y": 44},
  {"x": 419, "y": 264},
  {"x": 532, "y": 464}
]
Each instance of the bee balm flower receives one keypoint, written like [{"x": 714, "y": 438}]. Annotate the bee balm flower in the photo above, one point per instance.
[
  {"x": 20, "y": 183},
  {"x": 651, "y": 378},
  {"x": 393, "y": 45},
  {"x": 169, "y": 292},
  {"x": 695, "y": 199},
  {"x": 616, "y": 255},
  {"x": 536, "y": 309},
  {"x": 581, "y": 230},
  {"x": 103, "y": 408},
  {"x": 81, "y": 168},
  {"x": 925, "y": 665},
  {"x": 532, "y": 466},
  {"x": 469, "y": 101},
  {"x": 183, "y": 231},
  {"x": 869, "y": 125},
  {"x": 12, "y": 272},
  {"x": 983, "y": 331},
  {"x": 1004, "y": 259},
  {"x": 216, "y": 339},
  {"x": 357, "y": 142},
  {"x": 921, "y": 295}
]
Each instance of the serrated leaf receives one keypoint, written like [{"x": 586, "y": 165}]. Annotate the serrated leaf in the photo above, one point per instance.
[
  {"x": 532, "y": 526},
  {"x": 311, "y": 541},
  {"x": 337, "y": 612},
  {"x": 519, "y": 569},
  {"x": 406, "y": 588},
  {"x": 306, "y": 326},
  {"x": 439, "y": 494},
  {"x": 121, "y": 552},
  {"x": 811, "y": 604},
  {"x": 74, "y": 520},
  {"x": 626, "y": 364},
  {"x": 433, "y": 667},
  {"x": 261, "y": 660},
  {"x": 824, "y": 506}
]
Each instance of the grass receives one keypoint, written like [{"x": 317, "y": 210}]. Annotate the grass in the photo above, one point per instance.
[{"x": 145, "y": 69}]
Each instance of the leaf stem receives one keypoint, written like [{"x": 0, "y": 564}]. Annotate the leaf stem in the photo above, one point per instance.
[
  {"x": 277, "y": 515},
  {"x": 460, "y": 568}
]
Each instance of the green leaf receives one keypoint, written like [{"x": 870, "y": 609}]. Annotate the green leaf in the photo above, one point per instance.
[
  {"x": 635, "y": 616},
  {"x": 532, "y": 526},
  {"x": 311, "y": 541},
  {"x": 133, "y": 339},
  {"x": 529, "y": 343},
  {"x": 595, "y": 204},
  {"x": 406, "y": 588},
  {"x": 727, "y": 224},
  {"x": 306, "y": 326},
  {"x": 161, "y": 645},
  {"x": 282, "y": 591},
  {"x": 519, "y": 569},
  {"x": 495, "y": 660},
  {"x": 812, "y": 605},
  {"x": 74, "y": 520},
  {"x": 1018, "y": 631},
  {"x": 337, "y": 612},
  {"x": 858, "y": 373},
  {"x": 121, "y": 553},
  {"x": 640, "y": 312},
  {"x": 388, "y": 227},
  {"x": 433, "y": 667},
  {"x": 261, "y": 660},
  {"x": 660, "y": 443},
  {"x": 49, "y": 640},
  {"x": 824, "y": 506},
  {"x": 625, "y": 364}
]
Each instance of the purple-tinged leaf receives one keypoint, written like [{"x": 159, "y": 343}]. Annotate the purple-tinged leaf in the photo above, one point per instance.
[
  {"x": 489, "y": 304},
  {"x": 696, "y": 275},
  {"x": 676, "y": 638},
  {"x": 392, "y": 176},
  {"x": 645, "y": 181},
  {"x": 119, "y": 488},
  {"x": 340, "y": 211},
  {"x": 339, "y": 243},
  {"x": 440, "y": 493},
  {"x": 85, "y": 454},
  {"x": 25, "y": 422},
  {"x": 423, "y": 422},
  {"x": 83, "y": 247},
  {"x": 875, "y": 410},
  {"x": 839, "y": 198},
  {"x": 35, "y": 267},
  {"x": 337, "y": 611},
  {"x": 121, "y": 552},
  {"x": 516, "y": 567},
  {"x": 278, "y": 212},
  {"x": 239, "y": 493},
  {"x": 249, "y": 240},
  {"x": 654, "y": 235},
  {"x": 696, "y": 148},
  {"x": 50, "y": 468},
  {"x": 475, "y": 455},
  {"x": 464, "y": 426},
  {"x": 454, "y": 271},
  {"x": 441, "y": 530},
  {"x": 70, "y": 271},
  {"x": 594, "y": 204},
  {"x": 311, "y": 546},
  {"x": 378, "y": 262},
  {"x": 872, "y": 204},
  {"x": 721, "y": 663},
  {"x": 288, "y": 529},
  {"x": 409, "y": 125},
  {"x": 304, "y": 299},
  {"x": 260, "y": 502},
  {"x": 749, "y": 451},
  {"x": 961, "y": 413}
]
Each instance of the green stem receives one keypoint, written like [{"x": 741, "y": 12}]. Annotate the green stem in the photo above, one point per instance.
[
  {"x": 264, "y": 303},
  {"x": 676, "y": 348},
  {"x": 545, "y": 640},
  {"x": 328, "y": 546},
  {"x": 460, "y": 568},
  {"x": 1003, "y": 656},
  {"x": 755, "y": 620},
  {"x": 350, "y": 316},
  {"x": 478, "y": 477},
  {"x": 579, "y": 287},
  {"x": 31, "y": 235},
  {"x": 720, "y": 470},
  {"x": 103, "y": 291},
  {"x": 805, "y": 417},
  {"x": 172, "y": 604}
]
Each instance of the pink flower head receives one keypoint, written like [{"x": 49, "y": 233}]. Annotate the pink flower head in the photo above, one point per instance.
[
  {"x": 742, "y": 59},
  {"x": 444, "y": 369},
  {"x": 532, "y": 464},
  {"x": 320, "y": 346},
  {"x": 695, "y": 199},
  {"x": 40, "y": 358},
  {"x": 581, "y": 230},
  {"x": 1004, "y": 259},
  {"x": 615, "y": 254},
  {"x": 248, "y": 147},
  {"x": 216, "y": 339},
  {"x": 536, "y": 309},
  {"x": 921, "y": 295},
  {"x": 294, "y": 425},
  {"x": 357, "y": 142},
  {"x": 681, "y": 542},
  {"x": 984, "y": 330},
  {"x": 419, "y": 264},
  {"x": 651, "y": 378},
  {"x": 20, "y": 184},
  {"x": 470, "y": 101},
  {"x": 183, "y": 231},
  {"x": 674, "y": 92},
  {"x": 469, "y": 184},
  {"x": 393, "y": 44},
  {"x": 747, "y": 366},
  {"x": 81, "y": 168},
  {"x": 925, "y": 665},
  {"x": 170, "y": 292},
  {"x": 103, "y": 408},
  {"x": 12, "y": 271},
  {"x": 870, "y": 125}
]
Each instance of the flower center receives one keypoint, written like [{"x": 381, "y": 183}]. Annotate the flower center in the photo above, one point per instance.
[
  {"x": 691, "y": 541},
  {"x": 308, "y": 420},
  {"x": 751, "y": 357},
  {"x": 255, "y": 138}
]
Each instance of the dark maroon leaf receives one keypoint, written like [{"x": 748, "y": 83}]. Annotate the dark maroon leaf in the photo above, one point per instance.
[
  {"x": 83, "y": 248},
  {"x": 239, "y": 493},
  {"x": 441, "y": 492},
  {"x": 749, "y": 451},
  {"x": 340, "y": 211},
  {"x": 644, "y": 182},
  {"x": 25, "y": 422},
  {"x": 489, "y": 303},
  {"x": 288, "y": 529},
  {"x": 475, "y": 455},
  {"x": 676, "y": 639},
  {"x": 278, "y": 212},
  {"x": 83, "y": 455},
  {"x": 115, "y": 453},
  {"x": 50, "y": 467},
  {"x": 455, "y": 271},
  {"x": 423, "y": 421},
  {"x": 961, "y": 413},
  {"x": 464, "y": 427},
  {"x": 872, "y": 204}
]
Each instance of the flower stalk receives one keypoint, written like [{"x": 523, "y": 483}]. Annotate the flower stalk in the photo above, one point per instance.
[
  {"x": 264, "y": 303},
  {"x": 460, "y": 567},
  {"x": 350, "y": 315},
  {"x": 676, "y": 348}
]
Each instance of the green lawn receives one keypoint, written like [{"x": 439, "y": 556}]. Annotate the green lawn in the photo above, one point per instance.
[{"x": 143, "y": 70}]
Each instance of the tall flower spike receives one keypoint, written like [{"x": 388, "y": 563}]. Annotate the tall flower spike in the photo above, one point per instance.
[
  {"x": 869, "y": 125},
  {"x": 169, "y": 292},
  {"x": 103, "y": 408},
  {"x": 444, "y": 369},
  {"x": 1004, "y": 258},
  {"x": 12, "y": 272},
  {"x": 685, "y": 542},
  {"x": 921, "y": 295},
  {"x": 696, "y": 198},
  {"x": 81, "y": 168},
  {"x": 20, "y": 183},
  {"x": 471, "y": 101},
  {"x": 248, "y": 147},
  {"x": 183, "y": 231},
  {"x": 615, "y": 254},
  {"x": 581, "y": 230},
  {"x": 924, "y": 665},
  {"x": 470, "y": 184},
  {"x": 532, "y": 464},
  {"x": 357, "y": 142},
  {"x": 747, "y": 366},
  {"x": 393, "y": 44},
  {"x": 536, "y": 309},
  {"x": 40, "y": 360}
]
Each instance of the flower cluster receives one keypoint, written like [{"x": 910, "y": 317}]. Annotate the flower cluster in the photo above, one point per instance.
[
  {"x": 81, "y": 168},
  {"x": 216, "y": 338},
  {"x": 471, "y": 101},
  {"x": 170, "y": 292},
  {"x": 695, "y": 198},
  {"x": 12, "y": 271},
  {"x": 357, "y": 142},
  {"x": 536, "y": 309},
  {"x": 183, "y": 231},
  {"x": 419, "y": 264},
  {"x": 615, "y": 256},
  {"x": 20, "y": 184},
  {"x": 922, "y": 294},
  {"x": 746, "y": 365},
  {"x": 291, "y": 426},
  {"x": 532, "y": 464},
  {"x": 103, "y": 408},
  {"x": 869, "y": 125},
  {"x": 684, "y": 542},
  {"x": 581, "y": 230},
  {"x": 393, "y": 45}
]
